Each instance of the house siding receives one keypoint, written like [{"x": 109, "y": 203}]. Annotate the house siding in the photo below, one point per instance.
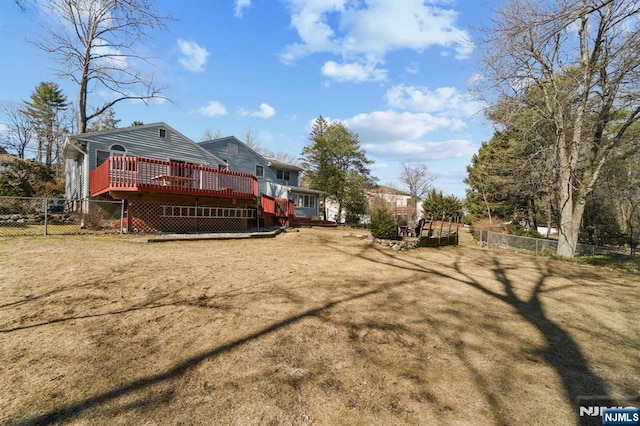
[
  {"x": 73, "y": 185},
  {"x": 245, "y": 161},
  {"x": 273, "y": 189},
  {"x": 144, "y": 141}
]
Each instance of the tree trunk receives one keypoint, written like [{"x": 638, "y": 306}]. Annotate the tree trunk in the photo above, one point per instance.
[
  {"x": 571, "y": 211},
  {"x": 486, "y": 203},
  {"x": 549, "y": 214},
  {"x": 531, "y": 213},
  {"x": 324, "y": 207}
]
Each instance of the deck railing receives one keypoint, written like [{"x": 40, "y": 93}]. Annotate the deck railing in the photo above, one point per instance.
[
  {"x": 148, "y": 175},
  {"x": 280, "y": 207}
]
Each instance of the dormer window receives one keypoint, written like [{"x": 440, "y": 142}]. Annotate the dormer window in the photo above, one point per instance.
[{"x": 162, "y": 133}]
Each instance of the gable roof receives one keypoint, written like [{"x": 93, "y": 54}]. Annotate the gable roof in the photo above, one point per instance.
[
  {"x": 220, "y": 143},
  {"x": 382, "y": 189},
  {"x": 223, "y": 139},
  {"x": 271, "y": 162},
  {"x": 75, "y": 141},
  {"x": 274, "y": 162}
]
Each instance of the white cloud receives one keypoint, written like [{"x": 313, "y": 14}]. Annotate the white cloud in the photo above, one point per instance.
[
  {"x": 405, "y": 135},
  {"x": 194, "y": 57},
  {"x": 154, "y": 101},
  {"x": 109, "y": 56},
  {"x": 443, "y": 99},
  {"x": 413, "y": 68},
  {"x": 353, "y": 72},
  {"x": 365, "y": 31},
  {"x": 240, "y": 6},
  {"x": 385, "y": 126},
  {"x": 266, "y": 111},
  {"x": 379, "y": 166},
  {"x": 422, "y": 150},
  {"x": 213, "y": 109}
]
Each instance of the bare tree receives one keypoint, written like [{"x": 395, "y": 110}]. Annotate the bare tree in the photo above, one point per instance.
[
  {"x": 417, "y": 179},
  {"x": 20, "y": 131},
  {"x": 285, "y": 157},
  {"x": 209, "y": 135},
  {"x": 94, "y": 41},
  {"x": 581, "y": 58},
  {"x": 250, "y": 139}
]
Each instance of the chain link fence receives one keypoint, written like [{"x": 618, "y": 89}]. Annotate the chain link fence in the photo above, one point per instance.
[
  {"x": 536, "y": 245},
  {"x": 54, "y": 216},
  {"x": 57, "y": 216}
]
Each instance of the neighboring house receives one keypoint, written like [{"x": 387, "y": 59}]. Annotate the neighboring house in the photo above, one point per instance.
[
  {"x": 276, "y": 179},
  {"x": 403, "y": 205},
  {"x": 170, "y": 182}
]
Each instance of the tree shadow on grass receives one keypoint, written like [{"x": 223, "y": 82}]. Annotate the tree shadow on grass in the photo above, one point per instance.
[
  {"x": 560, "y": 351},
  {"x": 71, "y": 411}
]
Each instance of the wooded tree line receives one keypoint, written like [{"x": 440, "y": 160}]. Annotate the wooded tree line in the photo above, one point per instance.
[
  {"x": 565, "y": 78},
  {"x": 36, "y": 128}
]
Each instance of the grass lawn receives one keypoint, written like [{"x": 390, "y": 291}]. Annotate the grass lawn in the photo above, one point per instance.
[{"x": 312, "y": 327}]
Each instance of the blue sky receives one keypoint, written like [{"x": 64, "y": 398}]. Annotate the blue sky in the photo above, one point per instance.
[{"x": 397, "y": 72}]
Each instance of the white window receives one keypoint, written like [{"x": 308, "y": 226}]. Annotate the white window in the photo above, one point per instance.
[
  {"x": 162, "y": 133},
  {"x": 282, "y": 174},
  {"x": 307, "y": 201},
  {"x": 114, "y": 150}
]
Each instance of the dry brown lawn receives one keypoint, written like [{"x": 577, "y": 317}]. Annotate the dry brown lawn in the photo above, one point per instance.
[{"x": 312, "y": 327}]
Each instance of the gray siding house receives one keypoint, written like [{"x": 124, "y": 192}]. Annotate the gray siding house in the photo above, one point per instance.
[
  {"x": 169, "y": 183},
  {"x": 158, "y": 141},
  {"x": 276, "y": 179}
]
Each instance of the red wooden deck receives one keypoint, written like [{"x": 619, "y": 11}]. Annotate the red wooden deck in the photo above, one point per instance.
[
  {"x": 281, "y": 209},
  {"x": 136, "y": 174}
]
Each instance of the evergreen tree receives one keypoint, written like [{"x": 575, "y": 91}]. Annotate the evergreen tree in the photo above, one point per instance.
[
  {"x": 335, "y": 163},
  {"x": 105, "y": 121},
  {"x": 439, "y": 206},
  {"x": 383, "y": 224},
  {"x": 507, "y": 179},
  {"x": 44, "y": 109}
]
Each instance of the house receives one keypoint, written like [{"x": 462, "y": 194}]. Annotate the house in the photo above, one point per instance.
[
  {"x": 169, "y": 182},
  {"x": 403, "y": 205},
  {"x": 276, "y": 178}
]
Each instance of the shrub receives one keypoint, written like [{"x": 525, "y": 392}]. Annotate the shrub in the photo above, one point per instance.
[
  {"x": 383, "y": 225},
  {"x": 22, "y": 178},
  {"x": 515, "y": 228}
]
